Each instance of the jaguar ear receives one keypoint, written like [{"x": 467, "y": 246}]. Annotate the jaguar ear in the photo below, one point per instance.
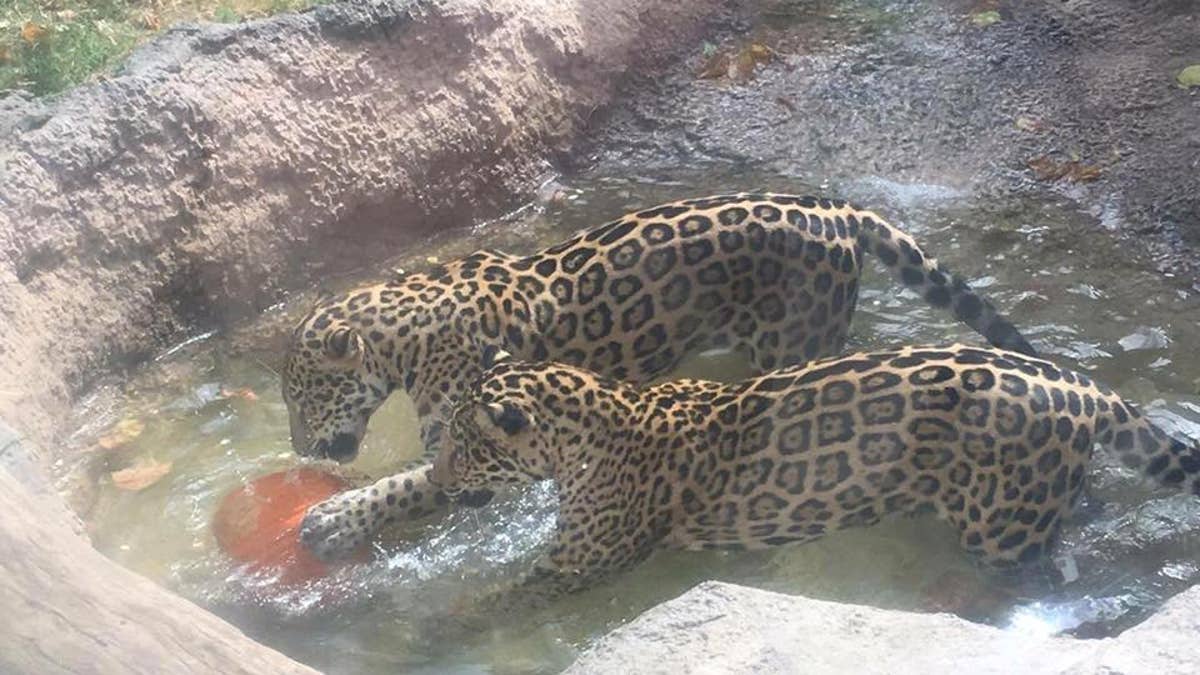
[
  {"x": 493, "y": 355},
  {"x": 504, "y": 416},
  {"x": 344, "y": 344}
]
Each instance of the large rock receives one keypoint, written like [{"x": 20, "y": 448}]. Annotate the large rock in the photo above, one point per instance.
[
  {"x": 723, "y": 628},
  {"x": 68, "y": 609},
  {"x": 223, "y": 166}
]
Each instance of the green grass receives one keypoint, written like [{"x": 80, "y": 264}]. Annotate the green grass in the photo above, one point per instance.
[
  {"x": 226, "y": 14},
  {"x": 47, "y": 46}
]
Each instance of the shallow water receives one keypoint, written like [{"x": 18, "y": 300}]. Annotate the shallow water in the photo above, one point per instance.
[{"x": 1080, "y": 299}]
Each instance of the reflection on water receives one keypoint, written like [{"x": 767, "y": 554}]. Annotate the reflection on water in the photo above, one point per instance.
[{"x": 1080, "y": 300}]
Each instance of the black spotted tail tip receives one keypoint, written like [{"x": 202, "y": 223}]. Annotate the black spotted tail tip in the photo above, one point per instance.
[{"x": 1001, "y": 333}]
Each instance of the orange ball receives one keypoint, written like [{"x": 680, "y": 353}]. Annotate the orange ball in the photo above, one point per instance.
[{"x": 258, "y": 524}]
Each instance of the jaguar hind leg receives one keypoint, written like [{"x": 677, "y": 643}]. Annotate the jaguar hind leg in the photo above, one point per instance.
[{"x": 1011, "y": 535}]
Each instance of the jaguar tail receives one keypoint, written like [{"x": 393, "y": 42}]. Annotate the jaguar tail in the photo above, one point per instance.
[{"x": 940, "y": 287}]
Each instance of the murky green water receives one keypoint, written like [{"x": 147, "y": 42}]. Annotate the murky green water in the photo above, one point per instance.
[{"x": 1075, "y": 294}]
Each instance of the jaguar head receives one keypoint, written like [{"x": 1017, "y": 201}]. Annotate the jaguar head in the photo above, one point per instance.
[{"x": 332, "y": 384}]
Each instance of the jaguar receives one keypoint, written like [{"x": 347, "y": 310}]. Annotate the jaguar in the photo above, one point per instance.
[
  {"x": 775, "y": 276},
  {"x": 994, "y": 442}
]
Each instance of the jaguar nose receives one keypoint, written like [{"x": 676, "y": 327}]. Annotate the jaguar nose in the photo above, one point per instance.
[
  {"x": 474, "y": 498},
  {"x": 343, "y": 448}
]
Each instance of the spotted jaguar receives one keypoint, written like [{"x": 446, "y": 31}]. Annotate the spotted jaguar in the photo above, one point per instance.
[
  {"x": 772, "y": 275},
  {"x": 995, "y": 442}
]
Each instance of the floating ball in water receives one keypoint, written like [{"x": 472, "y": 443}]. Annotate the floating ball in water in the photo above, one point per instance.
[{"x": 258, "y": 524}]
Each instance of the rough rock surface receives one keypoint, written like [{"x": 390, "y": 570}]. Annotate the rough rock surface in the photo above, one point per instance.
[
  {"x": 723, "y": 628},
  {"x": 915, "y": 91},
  {"x": 224, "y": 165},
  {"x": 65, "y": 608}
]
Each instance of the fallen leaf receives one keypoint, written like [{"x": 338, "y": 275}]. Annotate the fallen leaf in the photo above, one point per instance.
[
  {"x": 31, "y": 32},
  {"x": 1049, "y": 169},
  {"x": 1083, "y": 173},
  {"x": 5, "y": 56},
  {"x": 985, "y": 19},
  {"x": 1189, "y": 77},
  {"x": 743, "y": 66},
  {"x": 122, "y": 433},
  {"x": 714, "y": 67},
  {"x": 1045, "y": 168},
  {"x": 1029, "y": 124},
  {"x": 760, "y": 52},
  {"x": 740, "y": 65},
  {"x": 141, "y": 475},
  {"x": 244, "y": 393}
]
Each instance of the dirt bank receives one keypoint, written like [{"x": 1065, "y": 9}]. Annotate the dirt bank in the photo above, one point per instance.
[
  {"x": 224, "y": 165},
  {"x": 964, "y": 93},
  {"x": 229, "y": 163}
]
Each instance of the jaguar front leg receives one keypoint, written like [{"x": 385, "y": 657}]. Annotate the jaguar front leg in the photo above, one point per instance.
[{"x": 338, "y": 526}]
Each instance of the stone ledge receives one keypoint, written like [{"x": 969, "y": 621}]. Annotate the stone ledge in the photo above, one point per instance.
[
  {"x": 68, "y": 609},
  {"x": 723, "y": 628}
]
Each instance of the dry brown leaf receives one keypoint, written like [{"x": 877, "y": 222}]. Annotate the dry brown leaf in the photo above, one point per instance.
[
  {"x": 717, "y": 66},
  {"x": 1083, "y": 173},
  {"x": 31, "y": 32},
  {"x": 121, "y": 434},
  {"x": 760, "y": 52},
  {"x": 743, "y": 65},
  {"x": 738, "y": 65},
  {"x": 244, "y": 393},
  {"x": 1048, "y": 169},
  {"x": 750, "y": 57},
  {"x": 141, "y": 475}
]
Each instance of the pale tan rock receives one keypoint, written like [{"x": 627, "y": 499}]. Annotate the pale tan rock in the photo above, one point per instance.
[
  {"x": 65, "y": 608},
  {"x": 724, "y": 628}
]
